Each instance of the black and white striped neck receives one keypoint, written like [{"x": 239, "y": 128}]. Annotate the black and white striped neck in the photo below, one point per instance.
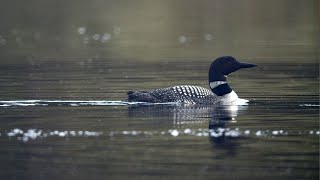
[{"x": 220, "y": 88}]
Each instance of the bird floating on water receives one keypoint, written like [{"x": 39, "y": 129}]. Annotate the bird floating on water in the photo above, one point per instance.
[{"x": 220, "y": 92}]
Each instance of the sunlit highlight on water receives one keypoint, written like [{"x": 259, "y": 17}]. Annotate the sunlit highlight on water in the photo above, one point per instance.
[{"x": 33, "y": 134}]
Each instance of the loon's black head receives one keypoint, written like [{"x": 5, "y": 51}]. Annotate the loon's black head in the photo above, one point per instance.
[
  {"x": 225, "y": 65},
  {"x": 219, "y": 70}
]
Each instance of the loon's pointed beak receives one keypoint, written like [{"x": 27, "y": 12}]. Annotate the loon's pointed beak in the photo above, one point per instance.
[{"x": 247, "y": 65}]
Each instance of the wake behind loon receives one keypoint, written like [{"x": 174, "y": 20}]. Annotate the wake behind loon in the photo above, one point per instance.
[{"x": 220, "y": 91}]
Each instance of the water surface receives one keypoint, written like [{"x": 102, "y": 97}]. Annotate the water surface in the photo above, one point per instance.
[{"x": 71, "y": 121}]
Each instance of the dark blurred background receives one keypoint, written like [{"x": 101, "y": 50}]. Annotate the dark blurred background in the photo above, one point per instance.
[{"x": 37, "y": 30}]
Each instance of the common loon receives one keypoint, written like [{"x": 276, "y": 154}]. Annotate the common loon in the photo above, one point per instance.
[{"x": 220, "y": 91}]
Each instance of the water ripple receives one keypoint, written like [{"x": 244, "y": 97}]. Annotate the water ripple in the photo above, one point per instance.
[
  {"x": 73, "y": 103},
  {"x": 241, "y": 102}
]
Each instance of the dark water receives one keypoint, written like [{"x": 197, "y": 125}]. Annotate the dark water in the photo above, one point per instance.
[
  {"x": 65, "y": 68},
  {"x": 98, "y": 137}
]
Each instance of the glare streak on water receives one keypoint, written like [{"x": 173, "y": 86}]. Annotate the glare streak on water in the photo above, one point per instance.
[
  {"x": 310, "y": 105},
  {"x": 74, "y": 103},
  {"x": 240, "y": 102}
]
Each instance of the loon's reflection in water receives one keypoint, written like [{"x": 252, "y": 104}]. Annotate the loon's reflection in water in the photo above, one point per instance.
[
  {"x": 180, "y": 117},
  {"x": 218, "y": 124}
]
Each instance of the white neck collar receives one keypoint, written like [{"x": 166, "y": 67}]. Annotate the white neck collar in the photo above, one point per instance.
[{"x": 215, "y": 84}]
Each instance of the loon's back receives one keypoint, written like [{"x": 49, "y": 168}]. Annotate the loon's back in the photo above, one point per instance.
[{"x": 184, "y": 93}]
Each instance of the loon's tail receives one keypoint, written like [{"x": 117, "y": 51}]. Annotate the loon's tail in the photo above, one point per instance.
[{"x": 141, "y": 96}]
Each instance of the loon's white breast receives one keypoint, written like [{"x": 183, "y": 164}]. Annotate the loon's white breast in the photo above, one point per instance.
[{"x": 228, "y": 99}]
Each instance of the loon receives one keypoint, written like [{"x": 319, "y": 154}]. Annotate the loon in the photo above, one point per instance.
[{"x": 220, "y": 92}]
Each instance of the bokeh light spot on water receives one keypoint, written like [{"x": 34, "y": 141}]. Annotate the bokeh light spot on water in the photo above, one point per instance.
[
  {"x": 62, "y": 134},
  {"x": 174, "y": 132},
  {"x": 258, "y": 133},
  {"x": 233, "y": 133},
  {"x": 182, "y": 39},
  {"x": 275, "y": 132},
  {"x": 96, "y": 37},
  {"x": 187, "y": 131},
  {"x": 82, "y": 30},
  {"x": 105, "y": 37},
  {"x": 208, "y": 37}
]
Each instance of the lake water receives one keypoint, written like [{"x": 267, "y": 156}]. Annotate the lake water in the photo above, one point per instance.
[
  {"x": 75, "y": 126},
  {"x": 65, "y": 69}
]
